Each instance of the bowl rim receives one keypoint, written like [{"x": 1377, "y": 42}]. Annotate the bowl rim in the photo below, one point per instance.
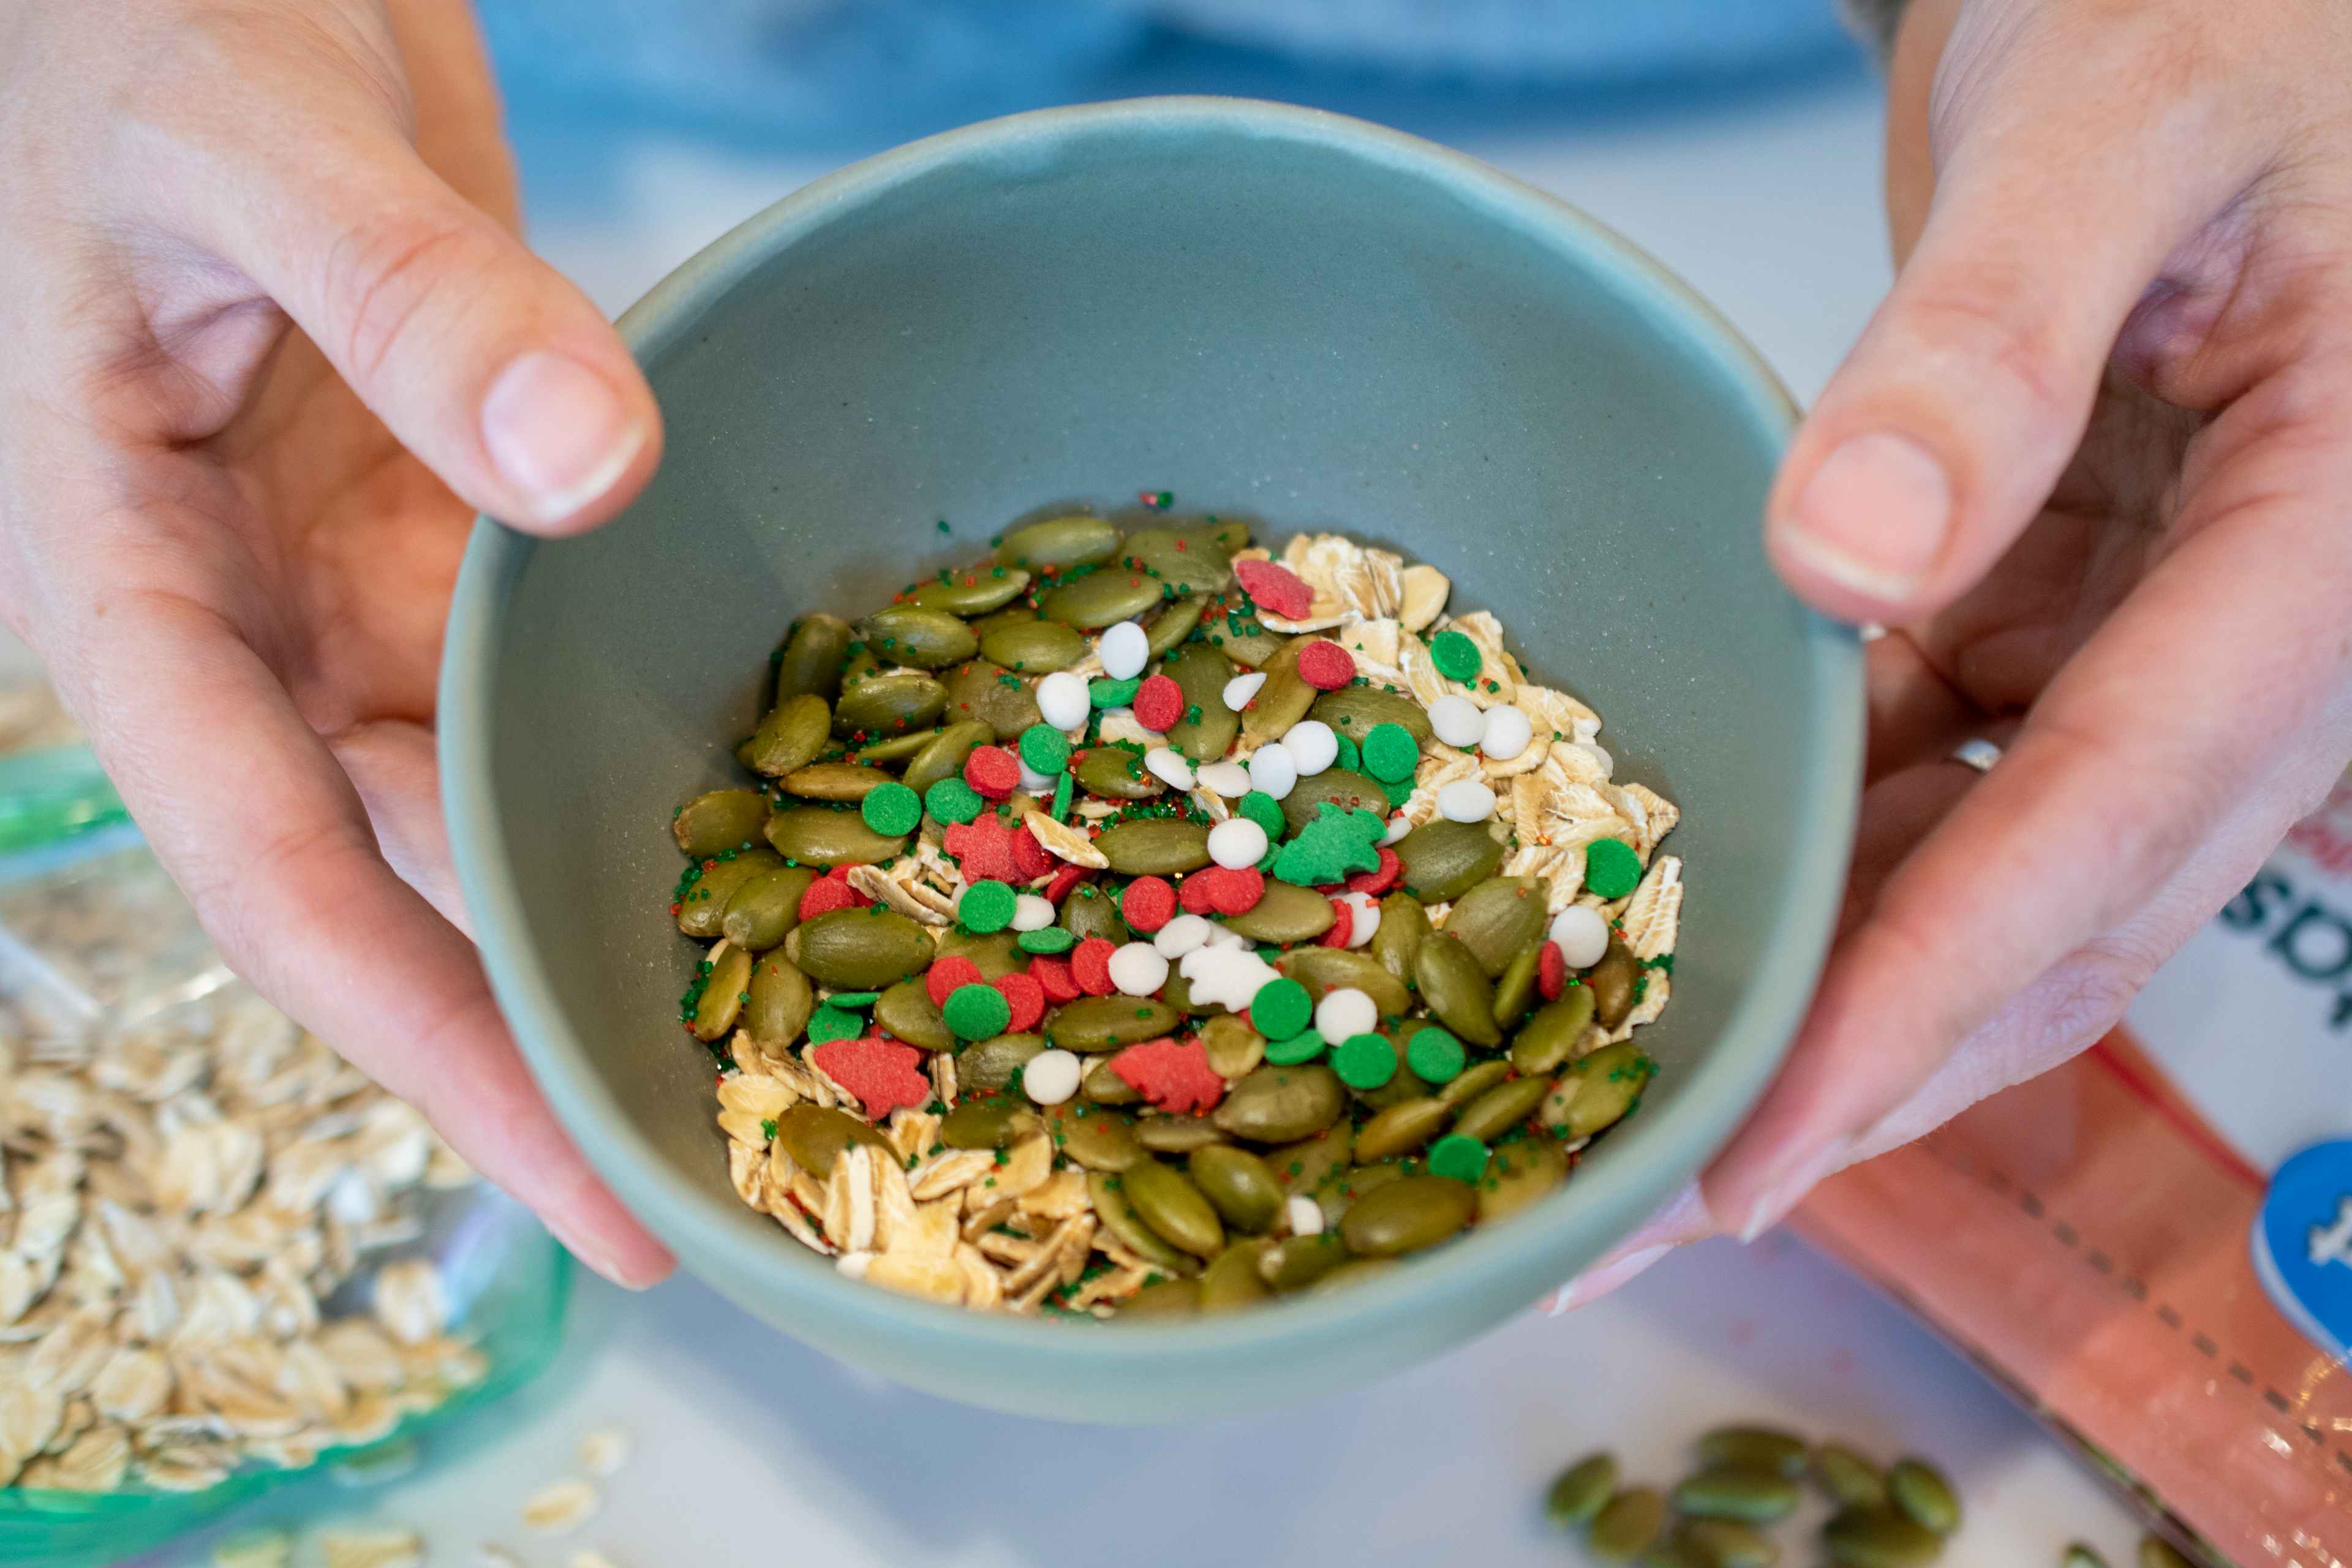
[{"x": 1672, "y": 1147}]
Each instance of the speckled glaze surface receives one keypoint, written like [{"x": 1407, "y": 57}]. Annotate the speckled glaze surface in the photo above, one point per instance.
[{"x": 1273, "y": 313}]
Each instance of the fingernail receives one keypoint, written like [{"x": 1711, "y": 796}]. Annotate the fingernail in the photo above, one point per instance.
[
  {"x": 597, "y": 1259},
  {"x": 1594, "y": 1284},
  {"x": 1875, "y": 515},
  {"x": 1789, "y": 1191},
  {"x": 558, "y": 433}
]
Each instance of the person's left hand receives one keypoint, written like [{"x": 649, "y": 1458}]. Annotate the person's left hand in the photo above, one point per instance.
[{"x": 2090, "y": 461}]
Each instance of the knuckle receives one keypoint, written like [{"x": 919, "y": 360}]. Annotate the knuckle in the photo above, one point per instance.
[
  {"x": 382, "y": 275},
  {"x": 1982, "y": 325}
]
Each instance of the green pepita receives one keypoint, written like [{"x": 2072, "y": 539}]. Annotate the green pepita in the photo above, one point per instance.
[
  {"x": 1627, "y": 1525},
  {"x": 1444, "y": 859},
  {"x": 1921, "y": 1492},
  {"x": 1546, "y": 1041},
  {"x": 925, "y": 640},
  {"x": 815, "y": 1136},
  {"x": 1106, "y": 1023},
  {"x": 1879, "y": 1538},
  {"x": 781, "y": 1001},
  {"x": 724, "y": 991},
  {"x": 1117, "y": 1213},
  {"x": 1352, "y": 711},
  {"x": 1286, "y": 915},
  {"x": 1207, "y": 730},
  {"x": 1407, "y": 1215},
  {"x": 1238, "y": 1183},
  {"x": 1278, "y": 1104},
  {"x": 1403, "y": 926},
  {"x": 1155, "y": 846},
  {"x": 1033, "y": 647},
  {"x": 833, "y": 780},
  {"x": 1580, "y": 1490},
  {"x": 1323, "y": 970},
  {"x": 702, "y": 908},
  {"x": 970, "y": 590},
  {"x": 1101, "y": 599},
  {"x": 1736, "y": 1491},
  {"x": 859, "y": 950},
  {"x": 1518, "y": 1174},
  {"x": 990, "y": 1063},
  {"x": 1497, "y": 920},
  {"x": 722, "y": 819},
  {"x": 810, "y": 664},
  {"x": 1174, "y": 1208},
  {"x": 1456, "y": 990},
  {"x": 820, "y": 835},
  {"x": 1597, "y": 1090},
  {"x": 1846, "y": 1478},
  {"x": 1402, "y": 1128},
  {"x": 1058, "y": 543},
  {"x": 942, "y": 756},
  {"x": 1501, "y": 1108},
  {"x": 906, "y": 1011},
  {"x": 792, "y": 735},
  {"x": 981, "y": 692}
]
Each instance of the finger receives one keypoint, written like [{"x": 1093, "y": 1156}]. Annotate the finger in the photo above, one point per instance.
[
  {"x": 2068, "y": 188},
  {"x": 2111, "y": 785},
  {"x": 484, "y": 361},
  {"x": 1683, "y": 1220},
  {"x": 392, "y": 764},
  {"x": 250, "y": 813}
]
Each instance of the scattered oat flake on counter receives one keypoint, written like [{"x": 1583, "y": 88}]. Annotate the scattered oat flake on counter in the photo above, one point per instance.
[
  {"x": 254, "y": 1549},
  {"x": 590, "y": 1558},
  {"x": 490, "y": 1554},
  {"x": 566, "y": 1505},
  {"x": 604, "y": 1450},
  {"x": 380, "y": 1548}
]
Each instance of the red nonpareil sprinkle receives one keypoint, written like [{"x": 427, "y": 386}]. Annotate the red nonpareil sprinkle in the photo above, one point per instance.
[
  {"x": 1236, "y": 890},
  {"x": 984, "y": 849},
  {"x": 1195, "y": 892},
  {"x": 1159, "y": 704},
  {"x": 675, "y": 907},
  {"x": 1551, "y": 972},
  {"x": 1275, "y": 588},
  {"x": 1343, "y": 925},
  {"x": 946, "y": 974},
  {"x": 1030, "y": 860},
  {"x": 1173, "y": 1075},
  {"x": 882, "y": 1074},
  {"x": 1024, "y": 996},
  {"x": 1065, "y": 878},
  {"x": 1380, "y": 882},
  {"x": 1090, "y": 965},
  {"x": 1054, "y": 978},
  {"x": 1325, "y": 666},
  {"x": 992, "y": 771},
  {"x": 823, "y": 895},
  {"x": 1148, "y": 904}
]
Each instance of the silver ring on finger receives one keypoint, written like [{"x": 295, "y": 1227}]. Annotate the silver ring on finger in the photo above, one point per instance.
[{"x": 1979, "y": 753}]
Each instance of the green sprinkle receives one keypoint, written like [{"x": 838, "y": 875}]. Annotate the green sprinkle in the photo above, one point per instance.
[
  {"x": 853, "y": 998},
  {"x": 768, "y": 1128},
  {"x": 986, "y": 908},
  {"x": 976, "y": 1012},
  {"x": 1045, "y": 748},
  {"x": 1265, "y": 810},
  {"x": 1113, "y": 693},
  {"x": 1047, "y": 939},
  {"x": 942, "y": 525},
  {"x": 892, "y": 808},
  {"x": 1391, "y": 753},
  {"x": 1281, "y": 1009},
  {"x": 1364, "y": 1061},
  {"x": 1455, "y": 655},
  {"x": 1349, "y": 758},
  {"x": 1611, "y": 868},
  {"x": 1063, "y": 790},
  {"x": 1304, "y": 1047},
  {"x": 1464, "y": 1159},
  {"x": 952, "y": 800},
  {"x": 1434, "y": 1054},
  {"x": 830, "y": 1023},
  {"x": 1336, "y": 842}
]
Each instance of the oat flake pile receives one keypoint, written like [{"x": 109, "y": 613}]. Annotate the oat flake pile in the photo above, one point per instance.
[{"x": 1147, "y": 924}]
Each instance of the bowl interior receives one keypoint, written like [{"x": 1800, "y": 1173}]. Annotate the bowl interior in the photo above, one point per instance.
[{"x": 1276, "y": 315}]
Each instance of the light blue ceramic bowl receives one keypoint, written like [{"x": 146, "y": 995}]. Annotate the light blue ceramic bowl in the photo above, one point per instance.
[{"x": 1273, "y": 313}]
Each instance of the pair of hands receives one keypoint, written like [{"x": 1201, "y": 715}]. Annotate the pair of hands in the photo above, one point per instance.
[{"x": 2086, "y": 460}]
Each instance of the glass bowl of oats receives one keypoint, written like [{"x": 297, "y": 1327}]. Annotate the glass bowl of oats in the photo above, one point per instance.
[{"x": 1128, "y": 955}]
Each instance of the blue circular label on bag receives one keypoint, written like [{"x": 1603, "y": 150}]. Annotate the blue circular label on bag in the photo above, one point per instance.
[{"x": 2302, "y": 1245}]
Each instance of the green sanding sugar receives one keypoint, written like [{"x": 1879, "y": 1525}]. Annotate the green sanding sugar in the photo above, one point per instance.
[
  {"x": 1399, "y": 791},
  {"x": 1391, "y": 753},
  {"x": 1611, "y": 868},
  {"x": 986, "y": 908},
  {"x": 1304, "y": 1047},
  {"x": 952, "y": 800},
  {"x": 830, "y": 1023},
  {"x": 1455, "y": 1155},
  {"x": 1364, "y": 1061},
  {"x": 1349, "y": 758},
  {"x": 977, "y": 1011},
  {"x": 891, "y": 808},
  {"x": 854, "y": 998},
  {"x": 1433, "y": 1055},
  {"x": 1266, "y": 811},
  {"x": 1045, "y": 748},
  {"x": 1106, "y": 693},
  {"x": 1281, "y": 1009},
  {"x": 1455, "y": 655},
  {"x": 1047, "y": 939}
]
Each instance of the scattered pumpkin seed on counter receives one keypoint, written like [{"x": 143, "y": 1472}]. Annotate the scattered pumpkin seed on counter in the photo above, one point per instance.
[{"x": 1152, "y": 924}]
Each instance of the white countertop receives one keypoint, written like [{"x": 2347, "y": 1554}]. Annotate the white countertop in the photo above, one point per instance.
[{"x": 753, "y": 1449}]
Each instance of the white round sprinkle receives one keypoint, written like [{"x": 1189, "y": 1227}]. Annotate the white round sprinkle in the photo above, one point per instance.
[
  {"x": 1124, "y": 650},
  {"x": 1344, "y": 1012},
  {"x": 1030, "y": 912},
  {"x": 1457, "y": 721},
  {"x": 1062, "y": 699},
  {"x": 1311, "y": 745},
  {"x": 1508, "y": 730},
  {"x": 1051, "y": 1076},
  {"x": 1272, "y": 769},
  {"x": 1364, "y": 912},
  {"x": 1398, "y": 828},
  {"x": 1169, "y": 767},
  {"x": 1139, "y": 969},
  {"x": 1465, "y": 800},
  {"x": 1306, "y": 1216},
  {"x": 1237, "y": 842},
  {"x": 1582, "y": 935},
  {"x": 1180, "y": 936},
  {"x": 1034, "y": 782},
  {"x": 1242, "y": 688},
  {"x": 1228, "y": 779}
]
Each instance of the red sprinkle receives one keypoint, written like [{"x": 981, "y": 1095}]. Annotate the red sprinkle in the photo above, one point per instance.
[
  {"x": 1380, "y": 882},
  {"x": 1343, "y": 925},
  {"x": 1090, "y": 965},
  {"x": 1325, "y": 666},
  {"x": 1158, "y": 705},
  {"x": 882, "y": 1074},
  {"x": 1065, "y": 878},
  {"x": 1551, "y": 972},
  {"x": 1234, "y": 890},
  {"x": 1175, "y": 1076},
  {"x": 1054, "y": 978},
  {"x": 1025, "y": 997},
  {"x": 992, "y": 771},
  {"x": 1148, "y": 904},
  {"x": 1195, "y": 892},
  {"x": 1275, "y": 588},
  {"x": 1030, "y": 860},
  {"x": 823, "y": 895},
  {"x": 984, "y": 848},
  {"x": 946, "y": 974}
]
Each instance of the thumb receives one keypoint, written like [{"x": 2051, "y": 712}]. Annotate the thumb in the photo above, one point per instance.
[
  {"x": 2063, "y": 191},
  {"x": 487, "y": 364}
]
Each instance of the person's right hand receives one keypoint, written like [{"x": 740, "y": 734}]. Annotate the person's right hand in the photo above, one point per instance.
[{"x": 233, "y": 543}]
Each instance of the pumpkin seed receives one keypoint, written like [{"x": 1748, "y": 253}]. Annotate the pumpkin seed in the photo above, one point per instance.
[
  {"x": 1174, "y": 1208},
  {"x": 1501, "y": 1108},
  {"x": 1515, "y": 992},
  {"x": 1323, "y": 970},
  {"x": 1403, "y": 925},
  {"x": 2079, "y": 1555},
  {"x": 906, "y": 1011},
  {"x": 1518, "y": 1174},
  {"x": 1155, "y": 846},
  {"x": 1473, "y": 1081},
  {"x": 1116, "y": 774},
  {"x": 1443, "y": 860},
  {"x": 1186, "y": 560},
  {"x": 1347, "y": 790},
  {"x": 792, "y": 735},
  {"x": 1607, "y": 1083},
  {"x": 1087, "y": 911},
  {"x": 970, "y": 590},
  {"x": 990, "y": 1063},
  {"x": 995, "y": 956},
  {"x": 1234, "y": 1048},
  {"x": 1627, "y": 1523},
  {"x": 894, "y": 748},
  {"x": 1100, "y": 599},
  {"x": 1726, "y": 1543},
  {"x": 1177, "y": 1134},
  {"x": 1106, "y": 1023},
  {"x": 943, "y": 754},
  {"x": 702, "y": 908},
  {"x": 1105, "y": 1087},
  {"x": 1351, "y": 1274},
  {"x": 1736, "y": 1491},
  {"x": 833, "y": 780},
  {"x": 815, "y": 1136},
  {"x": 1403, "y": 1083},
  {"x": 1550, "y": 1039},
  {"x": 1097, "y": 1139},
  {"x": 982, "y": 692},
  {"x": 1298, "y": 1261},
  {"x": 1281, "y": 702},
  {"x": 1117, "y": 1213},
  {"x": 1352, "y": 711},
  {"x": 782, "y": 1000},
  {"x": 722, "y": 819},
  {"x": 1920, "y": 1490},
  {"x": 2156, "y": 1553},
  {"x": 887, "y": 705},
  {"x": 1402, "y": 1128},
  {"x": 1337, "y": 1195},
  {"x": 1163, "y": 1299},
  {"x": 1756, "y": 1447},
  {"x": 1059, "y": 543},
  {"x": 1582, "y": 1489},
  {"x": 1306, "y": 1165},
  {"x": 926, "y": 639},
  {"x": 1407, "y": 1215},
  {"x": 1033, "y": 647},
  {"x": 1280, "y": 1104},
  {"x": 1238, "y": 1183},
  {"x": 1455, "y": 989},
  {"x": 763, "y": 909},
  {"x": 820, "y": 835},
  {"x": 1846, "y": 1478},
  {"x": 1497, "y": 920},
  {"x": 1172, "y": 626},
  {"x": 810, "y": 663},
  {"x": 1207, "y": 730},
  {"x": 1232, "y": 1278},
  {"x": 1879, "y": 1538},
  {"x": 858, "y": 950},
  {"x": 1239, "y": 636},
  {"x": 1285, "y": 915},
  {"x": 1612, "y": 980},
  {"x": 724, "y": 990},
  {"x": 997, "y": 1122}
]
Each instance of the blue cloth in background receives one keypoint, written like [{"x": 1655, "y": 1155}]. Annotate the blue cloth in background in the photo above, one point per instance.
[{"x": 854, "y": 70}]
